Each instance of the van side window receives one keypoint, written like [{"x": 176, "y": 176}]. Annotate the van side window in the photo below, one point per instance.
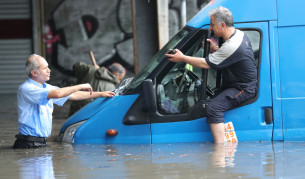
[
  {"x": 255, "y": 38},
  {"x": 180, "y": 90},
  {"x": 214, "y": 76}
]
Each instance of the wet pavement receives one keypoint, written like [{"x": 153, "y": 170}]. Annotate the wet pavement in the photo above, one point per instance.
[{"x": 179, "y": 160}]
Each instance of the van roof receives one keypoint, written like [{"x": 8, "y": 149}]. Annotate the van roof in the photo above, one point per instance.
[{"x": 243, "y": 11}]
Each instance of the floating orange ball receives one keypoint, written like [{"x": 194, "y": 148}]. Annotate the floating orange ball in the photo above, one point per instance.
[{"x": 112, "y": 132}]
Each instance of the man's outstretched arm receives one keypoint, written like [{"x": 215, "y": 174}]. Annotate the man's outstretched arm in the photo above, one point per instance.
[
  {"x": 81, "y": 95},
  {"x": 66, "y": 91}
]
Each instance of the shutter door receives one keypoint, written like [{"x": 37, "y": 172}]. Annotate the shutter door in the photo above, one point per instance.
[{"x": 15, "y": 43}]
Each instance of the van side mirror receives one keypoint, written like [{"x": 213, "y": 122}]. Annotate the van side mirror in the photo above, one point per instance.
[{"x": 150, "y": 100}]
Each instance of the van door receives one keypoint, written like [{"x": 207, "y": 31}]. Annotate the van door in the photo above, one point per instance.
[
  {"x": 292, "y": 81},
  {"x": 180, "y": 115}
]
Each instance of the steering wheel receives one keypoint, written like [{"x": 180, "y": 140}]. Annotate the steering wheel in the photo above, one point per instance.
[
  {"x": 198, "y": 90},
  {"x": 193, "y": 76}
]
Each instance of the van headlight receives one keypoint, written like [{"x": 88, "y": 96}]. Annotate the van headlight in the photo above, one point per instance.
[{"x": 70, "y": 131}]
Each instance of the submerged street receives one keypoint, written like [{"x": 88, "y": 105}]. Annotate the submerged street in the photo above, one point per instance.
[{"x": 176, "y": 160}]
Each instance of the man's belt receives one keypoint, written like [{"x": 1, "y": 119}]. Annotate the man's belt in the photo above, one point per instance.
[{"x": 31, "y": 138}]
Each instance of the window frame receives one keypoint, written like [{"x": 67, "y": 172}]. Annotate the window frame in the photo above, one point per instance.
[{"x": 205, "y": 73}]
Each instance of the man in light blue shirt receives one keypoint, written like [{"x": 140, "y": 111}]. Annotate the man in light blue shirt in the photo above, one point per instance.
[{"x": 35, "y": 100}]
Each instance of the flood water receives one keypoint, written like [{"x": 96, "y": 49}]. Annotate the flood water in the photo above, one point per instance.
[{"x": 180, "y": 160}]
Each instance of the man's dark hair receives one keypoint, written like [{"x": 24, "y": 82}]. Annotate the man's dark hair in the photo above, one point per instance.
[{"x": 116, "y": 68}]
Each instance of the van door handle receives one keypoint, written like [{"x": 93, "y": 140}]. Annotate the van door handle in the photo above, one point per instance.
[{"x": 268, "y": 115}]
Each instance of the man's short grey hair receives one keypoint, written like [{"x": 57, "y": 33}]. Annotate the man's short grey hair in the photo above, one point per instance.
[
  {"x": 32, "y": 64},
  {"x": 222, "y": 14},
  {"x": 116, "y": 68}
]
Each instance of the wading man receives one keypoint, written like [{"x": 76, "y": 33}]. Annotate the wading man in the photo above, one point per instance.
[{"x": 35, "y": 100}]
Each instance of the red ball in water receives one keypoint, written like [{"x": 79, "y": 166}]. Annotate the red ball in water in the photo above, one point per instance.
[{"x": 112, "y": 132}]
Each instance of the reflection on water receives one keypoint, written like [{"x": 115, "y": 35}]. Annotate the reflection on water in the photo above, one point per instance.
[
  {"x": 223, "y": 155},
  {"x": 36, "y": 167},
  {"x": 181, "y": 160}
]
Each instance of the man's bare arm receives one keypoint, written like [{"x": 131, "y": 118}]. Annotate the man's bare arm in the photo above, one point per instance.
[
  {"x": 66, "y": 91},
  {"x": 195, "y": 61},
  {"x": 81, "y": 95}
]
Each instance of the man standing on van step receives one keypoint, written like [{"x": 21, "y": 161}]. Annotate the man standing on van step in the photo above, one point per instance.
[
  {"x": 35, "y": 100},
  {"x": 235, "y": 59}
]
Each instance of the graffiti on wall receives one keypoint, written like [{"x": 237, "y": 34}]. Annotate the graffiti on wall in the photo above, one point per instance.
[
  {"x": 104, "y": 27},
  {"x": 78, "y": 27}
]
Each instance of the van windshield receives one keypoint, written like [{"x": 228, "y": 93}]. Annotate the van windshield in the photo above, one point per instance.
[{"x": 157, "y": 58}]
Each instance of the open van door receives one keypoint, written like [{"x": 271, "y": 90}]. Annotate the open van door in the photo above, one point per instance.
[{"x": 182, "y": 91}]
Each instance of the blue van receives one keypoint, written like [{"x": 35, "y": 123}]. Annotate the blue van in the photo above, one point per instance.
[{"x": 165, "y": 102}]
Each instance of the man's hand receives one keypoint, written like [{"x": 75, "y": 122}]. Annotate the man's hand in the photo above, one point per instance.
[
  {"x": 213, "y": 45},
  {"x": 96, "y": 66},
  {"x": 107, "y": 94},
  {"x": 177, "y": 57},
  {"x": 86, "y": 87}
]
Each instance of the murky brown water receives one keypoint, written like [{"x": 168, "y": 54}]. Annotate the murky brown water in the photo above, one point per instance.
[
  {"x": 183, "y": 160},
  {"x": 180, "y": 160}
]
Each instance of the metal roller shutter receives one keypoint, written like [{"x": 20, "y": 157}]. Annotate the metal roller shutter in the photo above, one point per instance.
[{"x": 15, "y": 43}]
